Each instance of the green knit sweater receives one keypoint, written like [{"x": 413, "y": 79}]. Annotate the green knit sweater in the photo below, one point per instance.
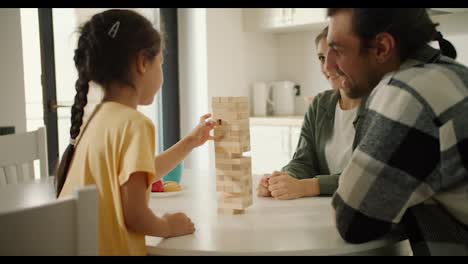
[{"x": 309, "y": 159}]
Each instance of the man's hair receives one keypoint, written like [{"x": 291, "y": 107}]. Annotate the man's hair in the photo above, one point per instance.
[{"x": 411, "y": 27}]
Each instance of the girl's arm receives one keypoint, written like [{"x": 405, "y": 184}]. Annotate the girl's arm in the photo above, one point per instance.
[
  {"x": 141, "y": 219},
  {"x": 167, "y": 160}
]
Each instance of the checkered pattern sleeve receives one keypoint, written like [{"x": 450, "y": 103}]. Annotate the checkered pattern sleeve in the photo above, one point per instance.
[{"x": 415, "y": 146}]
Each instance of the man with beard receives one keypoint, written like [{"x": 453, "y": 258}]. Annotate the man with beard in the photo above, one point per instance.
[{"x": 410, "y": 169}]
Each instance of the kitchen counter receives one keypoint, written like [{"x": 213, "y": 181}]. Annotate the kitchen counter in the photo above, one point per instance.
[{"x": 277, "y": 120}]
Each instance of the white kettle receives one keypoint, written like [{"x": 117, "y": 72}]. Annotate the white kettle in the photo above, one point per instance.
[
  {"x": 262, "y": 103},
  {"x": 284, "y": 93}
]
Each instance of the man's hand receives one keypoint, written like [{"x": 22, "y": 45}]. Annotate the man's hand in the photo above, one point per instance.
[{"x": 284, "y": 187}]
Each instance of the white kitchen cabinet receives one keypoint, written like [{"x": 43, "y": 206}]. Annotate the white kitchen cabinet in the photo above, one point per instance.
[
  {"x": 303, "y": 16},
  {"x": 273, "y": 141},
  {"x": 269, "y": 148},
  {"x": 283, "y": 19}
]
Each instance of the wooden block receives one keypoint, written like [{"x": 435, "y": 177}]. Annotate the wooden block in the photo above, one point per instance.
[
  {"x": 234, "y": 175},
  {"x": 228, "y": 144},
  {"x": 239, "y": 203},
  {"x": 232, "y": 107},
  {"x": 230, "y": 205},
  {"x": 223, "y": 104},
  {"x": 227, "y": 211},
  {"x": 242, "y": 105},
  {"x": 239, "y": 184},
  {"x": 233, "y": 161},
  {"x": 224, "y": 166},
  {"x": 245, "y": 148},
  {"x": 226, "y": 107},
  {"x": 237, "y": 148},
  {"x": 229, "y": 189},
  {"x": 233, "y": 197},
  {"x": 222, "y": 188},
  {"x": 239, "y": 122},
  {"x": 227, "y": 137},
  {"x": 226, "y": 115},
  {"x": 227, "y": 155},
  {"x": 228, "y": 150},
  {"x": 243, "y": 115},
  {"x": 245, "y": 142},
  {"x": 226, "y": 172},
  {"x": 235, "y": 133},
  {"x": 218, "y": 132},
  {"x": 215, "y": 100},
  {"x": 240, "y": 99},
  {"x": 240, "y": 125}
]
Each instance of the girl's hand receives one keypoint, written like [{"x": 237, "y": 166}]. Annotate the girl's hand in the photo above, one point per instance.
[
  {"x": 179, "y": 224},
  {"x": 201, "y": 133}
]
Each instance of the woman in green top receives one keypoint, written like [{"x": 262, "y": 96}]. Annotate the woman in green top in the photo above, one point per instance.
[{"x": 329, "y": 134}]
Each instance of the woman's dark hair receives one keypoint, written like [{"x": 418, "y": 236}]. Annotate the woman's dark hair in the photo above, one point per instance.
[
  {"x": 321, "y": 35},
  {"x": 107, "y": 44},
  {"x": 411, "y": 27}
]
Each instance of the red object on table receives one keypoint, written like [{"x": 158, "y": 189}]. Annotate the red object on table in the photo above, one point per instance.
[{"x": 157, "y": 186}]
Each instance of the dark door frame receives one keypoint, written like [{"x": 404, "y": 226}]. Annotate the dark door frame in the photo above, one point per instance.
[
  {"x": 46, "y": 36},
  {"x": 170, "y": 90}
]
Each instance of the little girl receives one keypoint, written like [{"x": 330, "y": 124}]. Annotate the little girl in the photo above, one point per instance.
[{"x": 122, "y": 52}]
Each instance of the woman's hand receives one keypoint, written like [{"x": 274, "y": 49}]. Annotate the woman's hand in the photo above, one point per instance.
[
  {"x": 262, "y": 188},
  {"x": 284, "y": 187}
]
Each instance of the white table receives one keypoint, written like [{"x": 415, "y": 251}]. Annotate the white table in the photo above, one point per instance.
[
  {"x": 269, "y": 227},
  {"x": 25, "y": 195}
]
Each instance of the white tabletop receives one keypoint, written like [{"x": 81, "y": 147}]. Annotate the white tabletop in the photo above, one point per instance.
[
  {"x": 269, "y": 227},
  {"x": 25, "y": 195}
]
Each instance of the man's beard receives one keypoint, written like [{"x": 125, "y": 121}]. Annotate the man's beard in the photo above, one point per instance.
[{"x": 356, "y": 91}]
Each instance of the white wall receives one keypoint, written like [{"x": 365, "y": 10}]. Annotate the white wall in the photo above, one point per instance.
[
  {"x": 32, "y": 68},
  {"x": 237, "y": 58},
  {"x": 298, "y": 62},
  {"x": 12, "y": 99},
  {"x": 217, "y": 58},
  {"x": 453, "y": 27},
  {"x": 193, "y": 77},
  {"x": 460, "y": 41}
]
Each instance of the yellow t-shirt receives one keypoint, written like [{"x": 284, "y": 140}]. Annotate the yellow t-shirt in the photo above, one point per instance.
[{"x": 117, "y": 142}]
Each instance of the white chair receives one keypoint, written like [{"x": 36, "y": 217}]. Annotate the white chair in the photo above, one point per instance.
[
  {"x": 66, "y": 226},
  {"x": 17, "y": 155}
]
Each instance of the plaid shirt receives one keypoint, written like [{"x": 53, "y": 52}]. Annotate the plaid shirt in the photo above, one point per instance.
[{"x": 411, "y": 167}]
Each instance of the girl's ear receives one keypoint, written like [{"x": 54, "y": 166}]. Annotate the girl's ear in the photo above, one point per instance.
[{"x": 141, "y": 63}]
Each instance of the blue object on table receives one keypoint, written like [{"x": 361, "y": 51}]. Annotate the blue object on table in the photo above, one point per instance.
[{"x": 174, "y": 175}]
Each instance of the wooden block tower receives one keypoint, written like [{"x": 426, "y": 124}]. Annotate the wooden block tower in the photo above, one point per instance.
[{"x": 233, "y": 170}]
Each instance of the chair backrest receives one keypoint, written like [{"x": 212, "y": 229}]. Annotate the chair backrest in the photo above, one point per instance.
[
  {"x": 17, "y": 155},
  {"x": 66, "y": 226}
]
